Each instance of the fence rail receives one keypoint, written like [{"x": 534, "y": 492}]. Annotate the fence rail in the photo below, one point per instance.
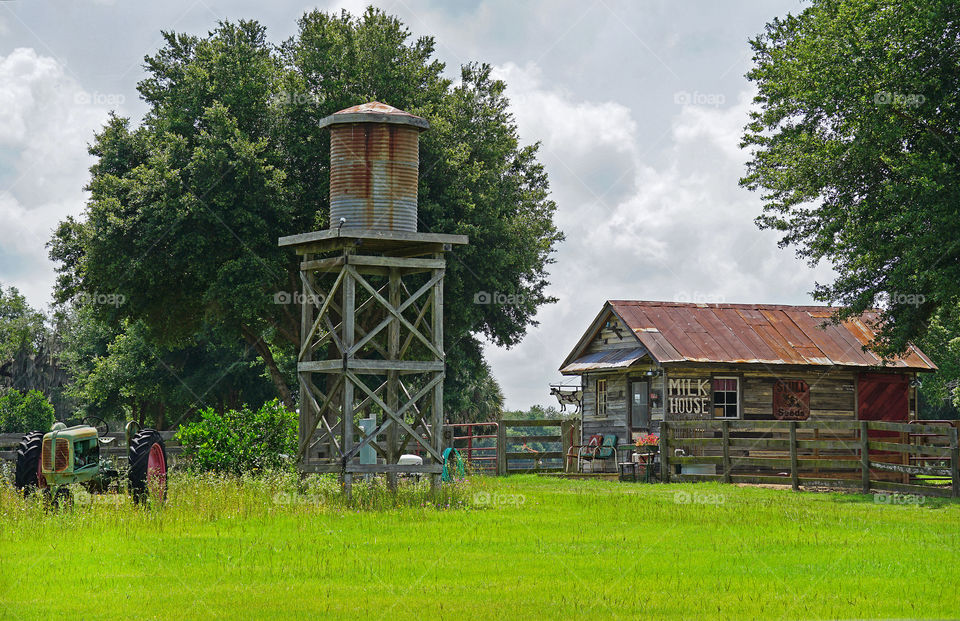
[
  {"x": 477, "y": 443},
  {"x": 917, "y": 457},
  {"x": 528, "y": 446}
]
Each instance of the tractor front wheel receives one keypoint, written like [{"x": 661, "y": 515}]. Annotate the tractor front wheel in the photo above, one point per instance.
[
  {"x": 28, "y": 476},
  {"x": 148, "y": 467}
]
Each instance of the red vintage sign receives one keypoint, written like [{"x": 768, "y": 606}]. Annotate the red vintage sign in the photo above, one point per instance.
[{"x": 791, "y": 400}]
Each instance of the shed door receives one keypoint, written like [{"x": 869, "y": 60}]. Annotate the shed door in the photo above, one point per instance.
[
  {"x": 639, "y": 405},
  {"x": 883, "y": 397}
]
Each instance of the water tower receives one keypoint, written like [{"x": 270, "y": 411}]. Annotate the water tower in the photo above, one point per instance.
[{"x": 371, "y": 330}]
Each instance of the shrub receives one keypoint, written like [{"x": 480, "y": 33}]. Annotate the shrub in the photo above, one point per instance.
[
  {"x": 25, "y": 412},
  {"x": 239, "y": 441}
]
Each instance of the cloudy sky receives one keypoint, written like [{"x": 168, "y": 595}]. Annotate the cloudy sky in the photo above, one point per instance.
[{"x": 638, "y": 106}]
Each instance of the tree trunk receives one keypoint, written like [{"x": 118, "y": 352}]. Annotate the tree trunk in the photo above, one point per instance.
[{"x": 263, "y": 350}]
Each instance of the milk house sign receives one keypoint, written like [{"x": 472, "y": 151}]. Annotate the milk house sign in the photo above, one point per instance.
[
  {"x": 688, "y": 396},
  {"x": 641, "y": 363}
]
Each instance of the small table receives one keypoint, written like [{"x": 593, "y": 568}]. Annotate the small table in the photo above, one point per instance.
[{"x": 627, "y": 466}]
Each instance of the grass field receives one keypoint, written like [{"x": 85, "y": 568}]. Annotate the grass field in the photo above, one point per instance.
[{"x": 523, "y": 547}]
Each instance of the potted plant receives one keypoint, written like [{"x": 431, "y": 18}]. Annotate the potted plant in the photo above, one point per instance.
[{"x": 648, "y": 444}]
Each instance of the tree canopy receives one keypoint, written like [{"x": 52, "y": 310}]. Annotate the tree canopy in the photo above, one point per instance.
[
  {"x": 186, "y": 208},
  {"x": 855, "y": 145}
]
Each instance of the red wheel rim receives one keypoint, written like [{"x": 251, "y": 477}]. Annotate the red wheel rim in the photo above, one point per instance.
[
  {"x": 156, "y": 472},
  {"x": 41, "y": 480}
]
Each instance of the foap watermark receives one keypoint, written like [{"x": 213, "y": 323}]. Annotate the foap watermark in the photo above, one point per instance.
[
  {"x": 497, "y": 298},
  {"x": 897, "y": 298},
  {"x": 696, "y": 98},
  {"x": 95, "y": 98},
  {"x": 892, "y": 498},
  {"x": 83, "y": 498},
  {"x": 296, "y": 98},
  {"x": 496, "y": 499},
  {"x": 286, "y": 297},
  {"x": 683, "y": 497},
  {"x": 702, "y": 297},
  {"x": 115, "y": 300},
  {"x": 901, "y": 100}
]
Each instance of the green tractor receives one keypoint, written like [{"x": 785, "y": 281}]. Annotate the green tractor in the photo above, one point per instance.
[{"x": 50, "y": 462}]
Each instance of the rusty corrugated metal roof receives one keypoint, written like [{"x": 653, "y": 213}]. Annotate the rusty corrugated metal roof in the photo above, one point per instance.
[
  {"x": 374, "y": 107},
  {"x": 757, "y": 334},
  {"x": 611, "y": 359},
  {"x": 374, "y": 112}
]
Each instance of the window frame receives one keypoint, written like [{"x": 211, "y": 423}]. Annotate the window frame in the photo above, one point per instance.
[
  {"x": 601, "y": 409},
  {"x": 739, "y": 393}
]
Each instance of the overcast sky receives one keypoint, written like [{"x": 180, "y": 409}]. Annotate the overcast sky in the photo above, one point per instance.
[{"x": 638, "y": 106}]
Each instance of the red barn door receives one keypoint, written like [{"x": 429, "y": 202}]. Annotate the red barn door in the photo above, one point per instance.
[{"x": 883, "y": 397}]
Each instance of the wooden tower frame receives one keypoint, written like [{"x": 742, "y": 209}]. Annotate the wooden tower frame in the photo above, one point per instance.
[{"x": 371, "y": 340}]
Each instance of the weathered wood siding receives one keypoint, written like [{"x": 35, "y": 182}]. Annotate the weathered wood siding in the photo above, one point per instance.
[
  {"x": 615, "y": 420},
  {"x": 833, "y": 394},
  {"x": 832, "y": 391},
  {"x": 617, "y": 336}
]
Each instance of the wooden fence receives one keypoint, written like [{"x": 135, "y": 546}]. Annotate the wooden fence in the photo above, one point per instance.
[
  {"x": 909, "y": 458},
  {"x": 534, "y": 445}
]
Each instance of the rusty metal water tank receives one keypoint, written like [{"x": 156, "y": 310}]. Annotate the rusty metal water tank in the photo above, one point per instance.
[{"x": 374, "y": 162}]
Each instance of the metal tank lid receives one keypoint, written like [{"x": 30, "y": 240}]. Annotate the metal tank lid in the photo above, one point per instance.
[{"x": 375, "y": 112}]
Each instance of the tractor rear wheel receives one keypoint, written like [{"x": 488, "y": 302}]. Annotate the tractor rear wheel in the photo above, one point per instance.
[
  {"x": 28, "y": 476},
  {"x": 148, "y": 467}
]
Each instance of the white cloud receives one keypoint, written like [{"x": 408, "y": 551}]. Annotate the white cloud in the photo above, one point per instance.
[
  {"x": 678, "y": 227},
  {"x": 46, "y": 121}
]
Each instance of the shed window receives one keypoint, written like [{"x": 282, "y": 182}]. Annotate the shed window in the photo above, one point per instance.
[
  {"x": 601, "y": 397},
  {"x": 726, "y": 397}
]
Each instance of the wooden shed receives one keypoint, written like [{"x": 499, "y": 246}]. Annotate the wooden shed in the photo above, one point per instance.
[{"x": 643, "y": 362}]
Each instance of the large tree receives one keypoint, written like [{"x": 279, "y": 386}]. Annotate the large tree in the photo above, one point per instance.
[
  {"x": 120, "y": 373},
  {"x": 855, "y": 144},
  {"x": 30, "y": 351},
  {"x": 186, "y": 208}
]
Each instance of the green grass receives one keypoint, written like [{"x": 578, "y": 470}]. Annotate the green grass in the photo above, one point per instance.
[{"x": 522, "y": 547}]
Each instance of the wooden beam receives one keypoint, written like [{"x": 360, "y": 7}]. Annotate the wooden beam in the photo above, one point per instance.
[
  {"x": 396, "y": 417},
  {"x": 354, "y": 235},
  {"x": 307, "y": 422},
  {"x": 955, "y": 462},
  {"x": 395, "y": 468},
  {"x": 397, "y": 262},
  {"x": 363, "y": 283},
  {"x": 794, "y": 466},
  {"x": 322, "y": 314},
  {"x": 726, "y": 451},
  {"x": 864, "y": 457},
  {"x": 665, "y": 449},
  {"x": 437, "y": 304},
  {"x": 349, "y": 308}
]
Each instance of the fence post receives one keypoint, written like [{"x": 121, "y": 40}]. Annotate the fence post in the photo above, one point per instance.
[
  {"x": 665, "y": 452},
  {"x": 865, "y": 456},
  {"x": 794, "y": 465},
  {"x": 501, "y": 449},
  {"x": 725, "y": 426},
  {"x": 566, "y": 434},
  {"x": 955, "y": 462}
]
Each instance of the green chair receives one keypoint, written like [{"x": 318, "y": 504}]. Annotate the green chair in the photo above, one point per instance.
[{"x": 607, "y": 450}]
